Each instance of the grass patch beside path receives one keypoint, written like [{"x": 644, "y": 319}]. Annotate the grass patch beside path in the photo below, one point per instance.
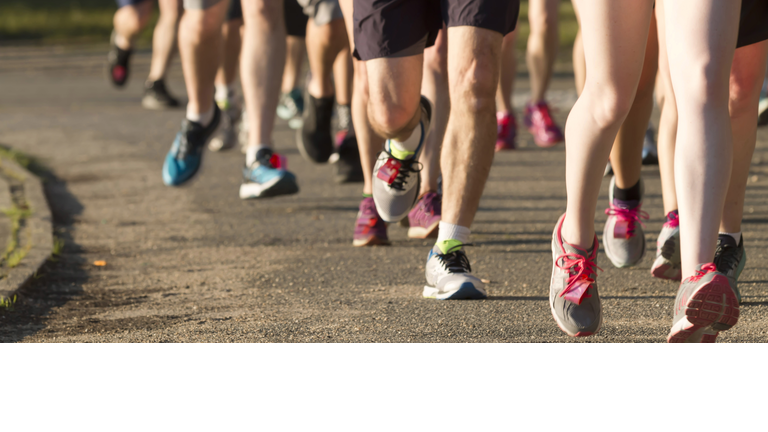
[{"x": 89, "y": 21}]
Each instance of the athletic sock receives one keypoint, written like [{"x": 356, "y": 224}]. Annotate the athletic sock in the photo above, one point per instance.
[
  {"x": 204, "y": 119},
  {"x": 406, "y": 148},
  {"x": 449, "y": 236},
  {"x": 735, "y": 236},
  {"x": 365, "y": 195},
  {"x": 630, "y": 195},
  {"x": 672, "y": 215},
  {"x": 225, "y": 93},
  {"x": 251, "y": 152},
  {"x": 345, "y": 116}
]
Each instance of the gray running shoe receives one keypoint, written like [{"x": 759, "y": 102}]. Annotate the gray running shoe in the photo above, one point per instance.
[
  {"x": 650, "y": 154},
  {"x": 706, "y": 304},
  {"x": 227, "y": 135},
  {"x": 730, "y": 260},
  {"x": 573, "y": 296},
  {"x": 667, "y": 263},
  {"x": 449, "y": 276},
  {"x": 623, "y": 236},
  {"x": 395, "y": 177}
]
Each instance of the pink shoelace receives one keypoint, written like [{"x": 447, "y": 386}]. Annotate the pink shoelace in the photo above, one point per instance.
[
  {"x": 625, "y": 226},
  {"x": 706, "y": 268},
  {"x": 579, "y": 281},
  {"x": 673, "y": 220}
]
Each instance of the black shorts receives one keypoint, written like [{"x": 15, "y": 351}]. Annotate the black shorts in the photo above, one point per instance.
[
  {"x": 383, "y": 28},
  {"x": 235, "y": 10},
  {"x": 295, "y": 20},
  {"x": 753, "y": 26}
]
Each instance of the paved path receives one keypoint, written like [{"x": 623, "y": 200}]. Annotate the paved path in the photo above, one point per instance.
[{"x": 198, "y": 264}]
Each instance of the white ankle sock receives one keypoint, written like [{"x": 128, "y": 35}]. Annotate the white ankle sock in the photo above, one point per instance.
[
  {"x": 411, "y": 143},
  {"x": 225, "y": 92},
  {"x": 250, "y": 153},
  {"x": 736, "y": 236},
  {"x": 448, "y": 231},
  {"x": 202, "y": 118}
]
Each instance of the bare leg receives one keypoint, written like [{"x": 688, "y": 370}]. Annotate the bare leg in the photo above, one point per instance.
[
  {"x": 468, "y": 148},
  {"x": 614, "y": 47},
  {"x": 579, "y": 64},
  {"x": 164, "y": 38},
  {"x": 342, "y": 75},
  {"x": 668, "y": 120},
  {"x": 323, "y": 45},
  {"x": 233, "y": 42},
  {"x": 747, "y": 75},
  {"x": 542, "y": 45},
  {"x": 261, "y": 66},
  {"x": 435, "y": 87},
  {"x": 199, "y": 47},
  {"x": 701, "y": 46},
  {"x": 129, "y": 21},
  {"x": 296, "y": 48},
  {"x": 508, "y": 71}
]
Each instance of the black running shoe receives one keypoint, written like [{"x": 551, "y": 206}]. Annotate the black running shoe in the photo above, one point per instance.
[
  {"x": 730, "y": 259},
  {"x": 156, "y": 96},
  {"x": 118, "y": 63},
  {"x": 347, "y": 166},
  {"x": 315, "y": 139}
]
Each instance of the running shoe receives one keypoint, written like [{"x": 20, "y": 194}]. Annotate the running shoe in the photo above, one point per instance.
[
  {"x": 706, "y": 304},
  {"x": 290, "y": 107},
  {"x": 506, "y": 131},
  {"x": 266, "y": 177},
  {"x": 650, "y": 154},
  {"x": 156, "y": 96},
  {"x": 667, "y": 263},
  {"x": 370, "y": 229},
  {"x": 730, "y": 259},
  {"x": 396, "y": 178},
  {"x": 540, "y": 124},
  {"x": 623, "y": 236},
  {"x": 608, "y": 170},
  {"x": 424, "y": 218},
  {"x": 227, "y": 135},
  {"x": 315, "y": 138},
  {"x": 449, "y": 276},
  {"x": 118, "y": 60},
  {"x": 186, "y": 155},
  {"x": 346, "y": 160},
  {"x": 762, "y": 108},
  {"x": 573, "y": 297}
]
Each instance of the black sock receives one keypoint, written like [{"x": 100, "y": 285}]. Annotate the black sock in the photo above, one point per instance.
[{"x": 630, "y": 194}]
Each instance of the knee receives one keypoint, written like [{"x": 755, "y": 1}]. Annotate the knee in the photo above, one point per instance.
[
  {"x": 608, "y": 108},
  {"x": 264, "y": 13},
  {"x": 474, "y": 84},
  {"x": 542, "y": 24},
  {"x": 389, "y": 118},
  {"x": 744, "y": 92},
  {"x": 705, "y": 84}
]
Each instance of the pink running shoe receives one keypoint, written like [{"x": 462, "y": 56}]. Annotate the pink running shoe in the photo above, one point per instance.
[
  {"x": 424, "y": 218},
  {"x": 706, "y": 304},
  {"x": 370, "y": 228},
  {"x": 506, "y": 128},
  {"x": 538, "y": 120},
  {"x": 667, "y": 263}
]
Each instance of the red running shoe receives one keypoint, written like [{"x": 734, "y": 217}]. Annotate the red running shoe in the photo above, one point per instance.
[
  {"x": 370, "y": 228},
  {"x": 538, "y": 120},
  {"x": 506, "y": 127}
]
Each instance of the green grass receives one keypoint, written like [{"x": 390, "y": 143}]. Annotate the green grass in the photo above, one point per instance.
[
  {"x": 89, "y": 21},
  {"x": 7, "y": 303}
]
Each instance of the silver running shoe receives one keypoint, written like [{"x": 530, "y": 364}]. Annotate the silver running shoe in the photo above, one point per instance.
[
  {"x": 396, "y": 180},
  {"x": 449, "y": 276},
  {"x": 623, "y": 236},
  {"x": 573, "y": 296},
  {"x": 667, "y": 264},
  {"x": 227, "y": 135},
  {"x": 706, "y": 304}
]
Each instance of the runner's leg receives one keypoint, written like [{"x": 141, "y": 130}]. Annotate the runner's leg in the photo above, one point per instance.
[
  {"x": 506, "y": 124},
  {"x": 164, "y": 38}
]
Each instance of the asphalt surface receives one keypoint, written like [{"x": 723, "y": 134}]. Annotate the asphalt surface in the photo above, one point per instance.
[{"x": 197, "y": 264}]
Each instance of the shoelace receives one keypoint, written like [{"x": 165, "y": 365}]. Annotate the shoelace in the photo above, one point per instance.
[
  {"x": 455, "y": 260},
  {"x": 706, "y": 268},
  {"x": 631, "y": 216},
  {"x": 579, "y": 268},
  {"x": 184, "y": 146},
  {"x": 673, "y": 220},
  {"x": 726, "y": 257},
  {"x": 406, "y": 166}
]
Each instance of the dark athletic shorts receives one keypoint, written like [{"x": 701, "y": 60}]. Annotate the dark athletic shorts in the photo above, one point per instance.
[
  {"x": 235, "y": 10},
  {"x": 384, "y": 28},
  {"x": 121, "y": 3},
  {"x": 295, "y": 20},
  {"x": 753, "y": 26}
]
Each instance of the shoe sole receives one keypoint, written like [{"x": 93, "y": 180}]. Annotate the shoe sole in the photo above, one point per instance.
[
  {"x": 271, "y": 189},
  {"x": 422, "y": 233},
  {"x": 666, "y": 270},
  {"x": 152, "y": 104},
  {"x": 712, "y": 308},
  {"x": 466, "y": 291},
  {"x": 370, "y": 241}
]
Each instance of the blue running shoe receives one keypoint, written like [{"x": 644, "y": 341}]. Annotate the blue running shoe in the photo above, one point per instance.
[
  {"x": 186, "y": 154},
  {"x": 262, "y": 179}
]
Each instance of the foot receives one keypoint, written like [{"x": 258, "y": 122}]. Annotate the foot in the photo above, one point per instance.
[
  {"x": 540, "y": 124},
  {"x": 667, "y": 263},
  {"x": 650, "y": 154},
  {"x": 424, "y": 219},
  {"x": 186, "y": 155},
  {"x": 623, "y": 236},
  {"x": 370, "y": 229},
  {"x": 449, "y": 276},
  {"x": 117, "y": 61},
  {"x": 315, "y": 138},
  {"x": 506, "y": 131},
  {"x": 291, "y": 107},
  {"x": 730, "y": 259},
  {"x": 227, "y": 135},
  {"x": 573, "y": 297},
  {"x": 267, "y": 178},
  {"x": 395, "y": 177},
  {"x": 347, "y": 167},
  {"x": 706, "y": 304},
  {"x": 156, "y": 96}
]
